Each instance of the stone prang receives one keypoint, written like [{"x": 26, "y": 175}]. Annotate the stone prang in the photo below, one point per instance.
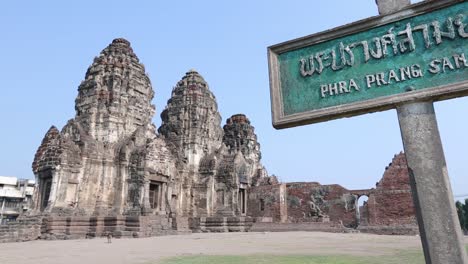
[
  {"x": 239, "y": 135},
  {"x": 115, "y": 98},
  {"x": 110, "y": 161},
  {"x": 213, "y": 175},
  {"x": 103, "y": 160},
  {"x": 109, "y": 171},
  {"x": 191, "y": 121}
]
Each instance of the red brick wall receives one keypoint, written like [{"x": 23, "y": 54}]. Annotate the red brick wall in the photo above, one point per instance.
[
  {"x": 333, "y": 200},
  {"x": 391, "y": 203},
  {"x": 273, "y": 197}
]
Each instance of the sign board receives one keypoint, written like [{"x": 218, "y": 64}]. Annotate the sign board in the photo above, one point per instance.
[{"x": 418, "y": 53}]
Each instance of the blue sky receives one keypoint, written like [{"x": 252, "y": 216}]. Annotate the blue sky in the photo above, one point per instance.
[{"x": 46, "y": 48}]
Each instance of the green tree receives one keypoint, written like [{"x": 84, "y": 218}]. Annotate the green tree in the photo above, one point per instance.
[
  {"x": 465, "y": 215},
  {"x": 461, "y": 213}
]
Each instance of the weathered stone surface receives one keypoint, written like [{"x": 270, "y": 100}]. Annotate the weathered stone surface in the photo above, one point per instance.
[
  {"x": 24, "y": 229},
  {"x": 66, "y": 227},
  {"x": 313, "y": 202},
  {"x": 387, "y": 7},
  {"x": 220, "y": 224},
  {"x": 103, "y": 160},
  {"x": 191, "y": 121},
  {"x": 268, "y": 201},
  {"x": 48, "y": 154},
  {"x": 389, "y": 209},
  {"x": 114, "y": 100},
  {"x": 216, "y": 167},
  {"x": 303, "y": 202},
  {"x": 108, "y": 170},
  {"x": 110, "y": 162},
  {"x": 239, "y": 135}
]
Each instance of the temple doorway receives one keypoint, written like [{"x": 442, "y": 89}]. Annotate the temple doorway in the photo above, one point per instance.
[
  {"x": 154, "y": 194},
  {"x": 242, "y": 201},
  {"x": 45, "y": 193}
]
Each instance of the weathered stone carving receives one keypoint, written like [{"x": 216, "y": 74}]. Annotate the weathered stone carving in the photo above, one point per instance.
[
  {"x": 191, "y": 121},
  {"x": 389, "y": 209},
  {"x": 103, "y": 160},
  {"x": 314, "y": 206},
  {"x": 115, "y": 97},
  {"x": 239, "y": 135},
  {"x": 110, "y": 169},
  {"x": 110, "y": 161},
  {"x": 215, "y": 166}
]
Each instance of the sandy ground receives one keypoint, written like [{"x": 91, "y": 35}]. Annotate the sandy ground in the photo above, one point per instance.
[{"x": 143, "y": 250}]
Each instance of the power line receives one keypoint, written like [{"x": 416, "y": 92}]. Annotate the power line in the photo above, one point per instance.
[{"x": 461, "y": 195}]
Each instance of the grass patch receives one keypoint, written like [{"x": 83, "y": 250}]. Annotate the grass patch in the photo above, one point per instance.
[
  {"x": 400, "y": 257},
  {"x": 260, "y": 260},
  {"x": 414, "y": 258}
]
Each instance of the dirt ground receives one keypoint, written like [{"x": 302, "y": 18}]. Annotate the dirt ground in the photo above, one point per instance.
[{"x": 143, "y": 250}]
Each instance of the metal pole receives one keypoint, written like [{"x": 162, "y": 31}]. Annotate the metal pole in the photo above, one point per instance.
[
  {"x": 438, "y": 223},
  {"x": 439, "y": 227}
]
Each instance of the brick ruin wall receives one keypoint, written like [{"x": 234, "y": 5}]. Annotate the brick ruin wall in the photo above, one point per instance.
[
  {"x": 390, "y": 205},
  {"x": 331, "y": 201},
  {"x": 267, "y": 203},
  {"x": 391, "y": 202},
  {"x": 312, "y": 206}
]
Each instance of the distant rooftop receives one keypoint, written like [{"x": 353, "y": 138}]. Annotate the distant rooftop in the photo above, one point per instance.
[{"x": 10, "y": 180}]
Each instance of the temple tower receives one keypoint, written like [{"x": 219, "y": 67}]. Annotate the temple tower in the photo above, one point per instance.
[
  {"x": 239, "y": 135},
  {"x": 191, "y": 121},
  {"x": 108, "y": 160},
  {"x": 115, "y": 97}
]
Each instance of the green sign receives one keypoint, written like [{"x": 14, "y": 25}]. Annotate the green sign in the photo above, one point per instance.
[{"x": 419, "y": 53}]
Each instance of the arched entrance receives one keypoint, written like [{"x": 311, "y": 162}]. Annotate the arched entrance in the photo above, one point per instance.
[
  {"x": 360, "y": 205},
  {"x": 362, "y": 214}
]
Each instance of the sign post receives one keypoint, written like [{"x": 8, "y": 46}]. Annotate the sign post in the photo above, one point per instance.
[
  {"x": 439, "y": 228},
  {"x": 406, "y": 58},
  {"x": 440, "y": 231}
]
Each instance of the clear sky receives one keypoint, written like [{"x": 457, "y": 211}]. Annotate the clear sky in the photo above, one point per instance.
[{"x": 46, "y": 47}]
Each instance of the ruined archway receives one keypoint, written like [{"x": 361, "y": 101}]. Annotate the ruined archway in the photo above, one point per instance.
[
  {"x": 362, "y": 212},
  {"x": 360, "y": 206}
]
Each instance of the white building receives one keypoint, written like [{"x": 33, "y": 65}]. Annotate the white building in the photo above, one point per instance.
[{"x": 15, "y": 197}]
